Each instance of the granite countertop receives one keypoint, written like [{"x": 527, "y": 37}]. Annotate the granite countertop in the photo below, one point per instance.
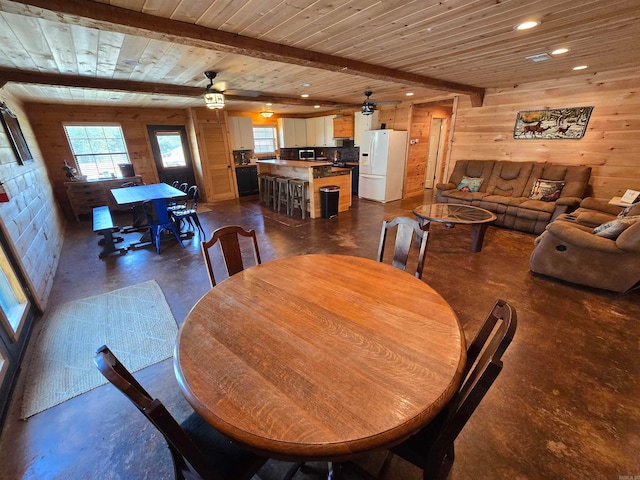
[
  {"x": 296, "y": 163},
  {"x": 243, "y": 165}
]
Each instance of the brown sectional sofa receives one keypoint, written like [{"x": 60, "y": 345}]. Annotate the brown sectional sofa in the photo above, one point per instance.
[
  {"x": 569, "y": 250},
  {"x": 506, "y": 187}
]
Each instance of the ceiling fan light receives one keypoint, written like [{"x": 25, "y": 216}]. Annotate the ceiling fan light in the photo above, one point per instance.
[
  {"x": 214, "y": 100},
  {"x": 368, "y": 108},
  {"x": 266, "y": 114}
]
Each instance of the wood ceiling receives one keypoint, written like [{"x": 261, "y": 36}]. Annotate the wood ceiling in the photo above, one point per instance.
[{"x": 152, "y": 53}]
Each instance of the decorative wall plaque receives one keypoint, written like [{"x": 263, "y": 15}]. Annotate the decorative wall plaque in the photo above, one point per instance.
[
  {"x": 14, "y": 132},
  {"x": 556, "y": 124}
]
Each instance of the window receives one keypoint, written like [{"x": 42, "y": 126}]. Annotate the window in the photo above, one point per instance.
[
  {"x": 98, "y": 149},
  {"x": 264, "y": 139},
  {"x": 171, "y": 149}
]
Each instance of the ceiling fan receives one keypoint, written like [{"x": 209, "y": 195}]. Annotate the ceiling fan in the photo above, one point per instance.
[
  {"x": 369, "y": 106},
  {"x": 222, "y": 87}
]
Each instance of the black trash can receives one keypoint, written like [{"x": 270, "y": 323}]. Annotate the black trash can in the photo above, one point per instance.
[
  {"x": 126, "y": 170},
  {"x": 329, "y": 197}
]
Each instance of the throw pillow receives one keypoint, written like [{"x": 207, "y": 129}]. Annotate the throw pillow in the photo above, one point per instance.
[
  {"x": 615, "y": 227},
  {"x": 546, "y": 190},
  {"x": 470, "y": 184}
]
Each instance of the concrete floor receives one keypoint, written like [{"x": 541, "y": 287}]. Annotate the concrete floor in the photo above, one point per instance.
[{"x": 566, "y": 405}]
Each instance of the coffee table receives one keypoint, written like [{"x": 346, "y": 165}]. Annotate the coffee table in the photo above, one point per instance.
[{"x": 452, "y": 214}]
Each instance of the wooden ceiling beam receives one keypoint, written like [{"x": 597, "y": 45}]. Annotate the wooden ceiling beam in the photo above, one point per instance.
[
  {"x": 105, "y": 17},
  {"x": 73, "y": 81}
]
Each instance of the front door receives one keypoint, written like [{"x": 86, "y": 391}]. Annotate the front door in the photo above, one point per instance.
[
  {"x": 171, "y": 153},
  {"x": 16, "y": 319}
]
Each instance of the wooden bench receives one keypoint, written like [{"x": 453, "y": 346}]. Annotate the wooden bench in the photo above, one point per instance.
[{"x": 103, "y": 225}]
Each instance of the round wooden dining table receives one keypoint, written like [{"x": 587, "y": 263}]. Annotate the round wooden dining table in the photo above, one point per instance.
[{"x": 320, "y": 357}]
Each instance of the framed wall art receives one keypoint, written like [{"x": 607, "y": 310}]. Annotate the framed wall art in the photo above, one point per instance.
[
  {"x": 553, "y": 124},
  {"x": 14, "y": 132}
]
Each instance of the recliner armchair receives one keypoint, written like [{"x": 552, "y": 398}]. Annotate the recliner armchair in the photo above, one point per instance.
[{"x": 568, "y": 249}]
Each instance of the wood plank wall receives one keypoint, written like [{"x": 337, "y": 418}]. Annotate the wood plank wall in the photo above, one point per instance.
[
  {"x": 47, "y": 121},
  {"x": 31, "y": 219},
  {"x": 611, "y": 143}
]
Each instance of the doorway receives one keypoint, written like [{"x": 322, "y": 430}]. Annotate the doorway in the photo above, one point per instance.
[
  {"x": 16, "y": 320},
  {"x": 171, "y": 153},
  {"x": 435, "y": 152}
]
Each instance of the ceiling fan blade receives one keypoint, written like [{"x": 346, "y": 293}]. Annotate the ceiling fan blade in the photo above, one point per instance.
[
  {"x": 391, "y": 102},
  {"x": 242, "y": 93}
]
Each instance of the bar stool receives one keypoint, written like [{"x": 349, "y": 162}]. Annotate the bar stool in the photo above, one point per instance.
[
  {"x": 298, "y": 196},
  {"x": 269, "y": 190},
  {"x": 262, "y": 186},
  {"x": 282, "y": 194}
]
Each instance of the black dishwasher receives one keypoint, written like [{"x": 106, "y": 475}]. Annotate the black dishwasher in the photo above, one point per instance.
[{"x": 247, "y": 178}]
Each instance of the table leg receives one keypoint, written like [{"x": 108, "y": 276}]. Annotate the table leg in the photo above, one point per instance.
[{"x": 477, "y": 235}]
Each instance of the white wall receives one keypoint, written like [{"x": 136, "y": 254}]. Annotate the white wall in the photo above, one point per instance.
[{"x": 31, "y": 219}]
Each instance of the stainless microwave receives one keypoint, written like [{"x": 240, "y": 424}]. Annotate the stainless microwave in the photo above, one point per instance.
[{"x": 306, "y": 154}]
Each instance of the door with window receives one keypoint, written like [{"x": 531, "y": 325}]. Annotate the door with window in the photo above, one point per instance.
[
  {"x": 16, "y": 319},
  {"x": 171, "y": 153}
]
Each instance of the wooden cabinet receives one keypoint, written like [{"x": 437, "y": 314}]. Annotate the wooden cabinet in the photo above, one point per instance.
[
  {"x": 241, "y": 130},
  {"x": 320, "y": 132},
  {"x": 362, "y": 123},
  {"x": 247, "y": 178},
  {"x": 84, "y": 196},
  {"x": 292, "y": 132},
  {"x": 343, "y": 126}
]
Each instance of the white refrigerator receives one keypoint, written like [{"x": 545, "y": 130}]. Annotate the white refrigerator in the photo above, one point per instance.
[{"x": 382, "y": 159}]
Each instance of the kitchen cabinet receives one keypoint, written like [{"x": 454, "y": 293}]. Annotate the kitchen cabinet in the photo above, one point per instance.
[
  {"x": 241, "y": 130},
  {"x": 362, "y": 123},
  {"x": 343, "y": 126},
  {"x": 247, "y": 178},
  {"x": 320, "y": 132},
  {"x": 292, "y": 132},
  {"x": 329, "y": 141}
]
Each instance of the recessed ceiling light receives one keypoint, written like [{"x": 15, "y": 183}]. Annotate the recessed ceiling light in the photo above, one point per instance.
[
  {"x": 527, "y": 25},
  {"x": 580, "y": 67},
  {"x": 304, "y": 95},
  {"x": 305, "y": 84},
  {"x": 316, "y": 106},
  {"x": 409, "y": 94},
  {"x": 559, "y": 51},
  {"x": 268, "y": 104}
]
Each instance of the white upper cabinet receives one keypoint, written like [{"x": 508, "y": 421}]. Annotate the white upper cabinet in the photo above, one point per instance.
[
  {"x": 241, "y": 129},
  {"x": 292, "y": 132},
  {"x": 320, "y": 132},
  {"x": 362, "y": 123},
  {"x": 329, "y": 141}
]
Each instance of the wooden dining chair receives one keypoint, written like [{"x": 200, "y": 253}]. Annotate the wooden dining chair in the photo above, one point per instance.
[
  {"x": 431, "y": 449},
  {"x": 230, "y": 246},
  {"x": 406, "y": 230},
  {"x": 197, "y": 449}
]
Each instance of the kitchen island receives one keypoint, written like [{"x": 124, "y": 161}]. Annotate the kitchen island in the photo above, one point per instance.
[{"x": 318, "y": 173}]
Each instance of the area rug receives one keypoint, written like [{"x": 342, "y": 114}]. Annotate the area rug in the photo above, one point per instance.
[{"x": 135, "y": 322}]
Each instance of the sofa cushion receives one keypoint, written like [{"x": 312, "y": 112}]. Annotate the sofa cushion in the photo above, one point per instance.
[
  {"x": 472, "y": 168},
  {"x": 537, "y": 205},
  {"x": 509, "y": 178},
  {"x": 470, "y": 184},
  {"x": 546, "y": 190},
  {"x": 615, "y": 227}
]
